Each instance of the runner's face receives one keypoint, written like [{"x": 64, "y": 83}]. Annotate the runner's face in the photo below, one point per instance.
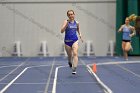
[
  {"x": 127, "y": 21},
  {"x": 71, "y": 15}
]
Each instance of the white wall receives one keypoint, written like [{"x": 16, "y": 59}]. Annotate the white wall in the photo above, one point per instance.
[{"x": 29, "y": 23}]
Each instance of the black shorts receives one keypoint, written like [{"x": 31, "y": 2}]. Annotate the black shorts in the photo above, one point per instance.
[{"x": 126, "y": 40}]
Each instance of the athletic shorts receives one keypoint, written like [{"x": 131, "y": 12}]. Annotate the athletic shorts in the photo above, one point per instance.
[
  {"x": 70, "y": 43},
  {"x": 126, "y": 40}
]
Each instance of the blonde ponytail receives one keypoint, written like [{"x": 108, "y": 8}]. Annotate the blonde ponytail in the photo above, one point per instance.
[{"x": 132, "y": 17}]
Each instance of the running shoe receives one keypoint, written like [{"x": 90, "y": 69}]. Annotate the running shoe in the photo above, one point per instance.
[{"x": 74, "y": 70}]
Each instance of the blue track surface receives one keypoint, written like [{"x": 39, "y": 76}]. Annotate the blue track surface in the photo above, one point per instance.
[
  {"x": 37, "y": 75},
  {"x": 83, "y": 82},
  {"x": 121, "y": 78}
]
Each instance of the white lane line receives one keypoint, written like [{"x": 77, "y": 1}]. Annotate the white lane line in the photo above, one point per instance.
[
  {"x": 24, "y": 65},
  {"x": 121, "y": 62},
  {"x": 12, "y": 82},
  {"x": 50, "y": 83},
  {"x": 24, "y": 83},
  {"x": 49, "y": 65},
  {"x": 77, "y": 83},
  {"x": 9, "y": 66},
  {"x": 107, "y": 89},
  {"x": 9, "y": 84},
  {"x": 13, "y": 69},
  {"x": 11, "y": 72},
  {"x": 127, "y": 70},
  {"x": 49, "y": 78},
  {"x": 56, "y": 76},
  {"x": 55, "y": 79},
  {"x": 118, "y": 62},
  {"x": 39, "y": 66},
  {"x": 6, "y": 87}
]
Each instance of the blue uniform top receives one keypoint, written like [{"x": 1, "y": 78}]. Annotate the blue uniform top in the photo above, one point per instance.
[
  {"x": 70, "y": 32},
  {"x": 126, "y": 33}
]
